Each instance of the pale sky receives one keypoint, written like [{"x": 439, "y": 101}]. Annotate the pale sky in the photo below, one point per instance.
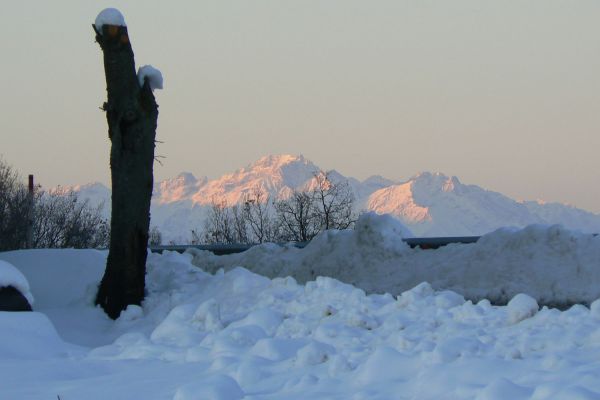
[{"x": 503, "y": 94}]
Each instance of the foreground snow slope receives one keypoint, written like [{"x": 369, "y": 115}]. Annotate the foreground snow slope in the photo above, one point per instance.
[{"x": 238, "y": 335}]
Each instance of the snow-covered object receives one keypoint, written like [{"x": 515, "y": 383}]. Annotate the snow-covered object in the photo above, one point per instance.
[
  {"x": 10, "y": 276},
  {"x": 154, "y": 76},
  {"x": 521, "y": 307},
  {"x": 549, "y": 263},
  {"x": 109, "y": 16}
]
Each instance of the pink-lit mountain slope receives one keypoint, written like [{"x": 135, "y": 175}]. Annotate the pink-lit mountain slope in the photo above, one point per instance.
[{"x": 430, "y": 204}]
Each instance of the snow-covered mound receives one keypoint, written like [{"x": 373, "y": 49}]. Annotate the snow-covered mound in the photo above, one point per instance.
[
  {"x": 238, "y": 335},
  {"x": 549, "y": 263},
  {"x": 10, "y": 276},
  {"x": 429, "y": 204}
]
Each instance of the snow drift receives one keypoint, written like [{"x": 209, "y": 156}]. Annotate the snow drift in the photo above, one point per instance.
[
  {"x": 552, "y": 264},
  {"x": 238, "y": 335}
]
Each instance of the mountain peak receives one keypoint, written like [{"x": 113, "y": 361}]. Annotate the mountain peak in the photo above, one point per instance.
[{"x": 277, "y": 161}]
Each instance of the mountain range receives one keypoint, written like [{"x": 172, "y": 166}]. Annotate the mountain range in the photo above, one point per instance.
[{"x": 429, "y": 204}]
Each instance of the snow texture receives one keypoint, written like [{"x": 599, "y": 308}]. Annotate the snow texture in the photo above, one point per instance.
[
  {"x": 10, "y": 276},
  {"x": 109, "y": 16},
  {"x": 154, "y": 76},
  {"x": 238, "y": 335}
]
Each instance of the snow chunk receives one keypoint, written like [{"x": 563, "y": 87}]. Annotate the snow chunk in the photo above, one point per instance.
[
  {"x": 131, "y": 313},
  {"x": 109, "y": 16},
  {"x": 155, "y": 78},
  {"x": 595, "y": 308},
  {"x": 384, "y": 230},
  {"x": 521, "y": 307},
  {"x": 10, "y": 276}
]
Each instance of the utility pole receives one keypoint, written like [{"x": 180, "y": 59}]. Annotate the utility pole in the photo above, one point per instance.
[{"x": 30, "y": 189}]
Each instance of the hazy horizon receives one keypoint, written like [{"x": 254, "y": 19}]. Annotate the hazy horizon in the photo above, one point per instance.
[{"x": 503, "y": 95}]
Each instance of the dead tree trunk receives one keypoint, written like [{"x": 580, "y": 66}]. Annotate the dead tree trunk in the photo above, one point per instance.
[{"x": 131, "y": 113}]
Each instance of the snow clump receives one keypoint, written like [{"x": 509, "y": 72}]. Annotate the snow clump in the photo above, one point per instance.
[
  {"x": 521, "y": 307},
  {"x": 155, "y": 78},
  {"x": 109, "y": 16}
]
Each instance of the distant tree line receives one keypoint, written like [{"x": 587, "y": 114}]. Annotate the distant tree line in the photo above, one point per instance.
[
  {"x": 46, "y": 219},
  {"x": 326, "y": 204},
  {"x": 60, "y": 219}
]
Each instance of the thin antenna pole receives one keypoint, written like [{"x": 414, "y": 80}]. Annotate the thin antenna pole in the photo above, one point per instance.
[{"x": 30, "y": 214}]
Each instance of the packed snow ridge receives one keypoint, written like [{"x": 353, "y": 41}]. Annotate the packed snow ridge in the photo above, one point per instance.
[
  {"x": 109, "y": 16},
  {"x": 234, "y": 334},
  {"x": 549, "y": 263}
]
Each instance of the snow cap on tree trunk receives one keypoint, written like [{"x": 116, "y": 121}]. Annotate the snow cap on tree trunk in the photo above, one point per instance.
[
  {"x": 109, "y": 16},
  {"x": 155, "y": 78}
]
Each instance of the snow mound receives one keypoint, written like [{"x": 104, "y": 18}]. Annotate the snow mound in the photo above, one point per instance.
[
  {"x": 376, "y": 230},
  {"x": 521, "y": 307},
  {"x": 549, "y": 263},
  {"x": 109, "y": 16},
  {"x": 10, "y": 276},
  {"x": 30, "y": 335},
  {"x": 154, "y": 76}
]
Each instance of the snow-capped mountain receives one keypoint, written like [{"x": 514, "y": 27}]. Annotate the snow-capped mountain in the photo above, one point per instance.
[{"x": 430, "y": 204}]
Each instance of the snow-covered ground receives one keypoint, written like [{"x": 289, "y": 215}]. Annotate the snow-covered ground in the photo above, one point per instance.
[{"x": 233, "y": 334}]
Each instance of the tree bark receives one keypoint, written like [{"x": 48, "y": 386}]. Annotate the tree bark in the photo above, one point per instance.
[{"x": 132, "y": 114}]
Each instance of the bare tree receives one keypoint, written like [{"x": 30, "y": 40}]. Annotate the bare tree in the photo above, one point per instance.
[
  {"x": 219, "y": 226},
  {"x": 132, "y": 115},
  {"x": 328, "y": 204},
  {"x": 296, "y": 217},
  {"x": 240, "y": 224},
  {"x": 61, "y": 220},
  {"x": 14, "y": 209},
  {"x": 155, "y": 237},
  {"x": 257, "y": 208},
  {"x": 333, "y": 202}
]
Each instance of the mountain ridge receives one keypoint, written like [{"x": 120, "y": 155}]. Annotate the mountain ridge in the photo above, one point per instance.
[{"x": 429, "y": 203}]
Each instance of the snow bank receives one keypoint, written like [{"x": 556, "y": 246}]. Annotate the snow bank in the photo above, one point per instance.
[
  {"x": 109, "y": 16},
  {"x": 10, "y": 276},
  {"x": 154, "y": 76},
  {"x": 549, "y": 263}
]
